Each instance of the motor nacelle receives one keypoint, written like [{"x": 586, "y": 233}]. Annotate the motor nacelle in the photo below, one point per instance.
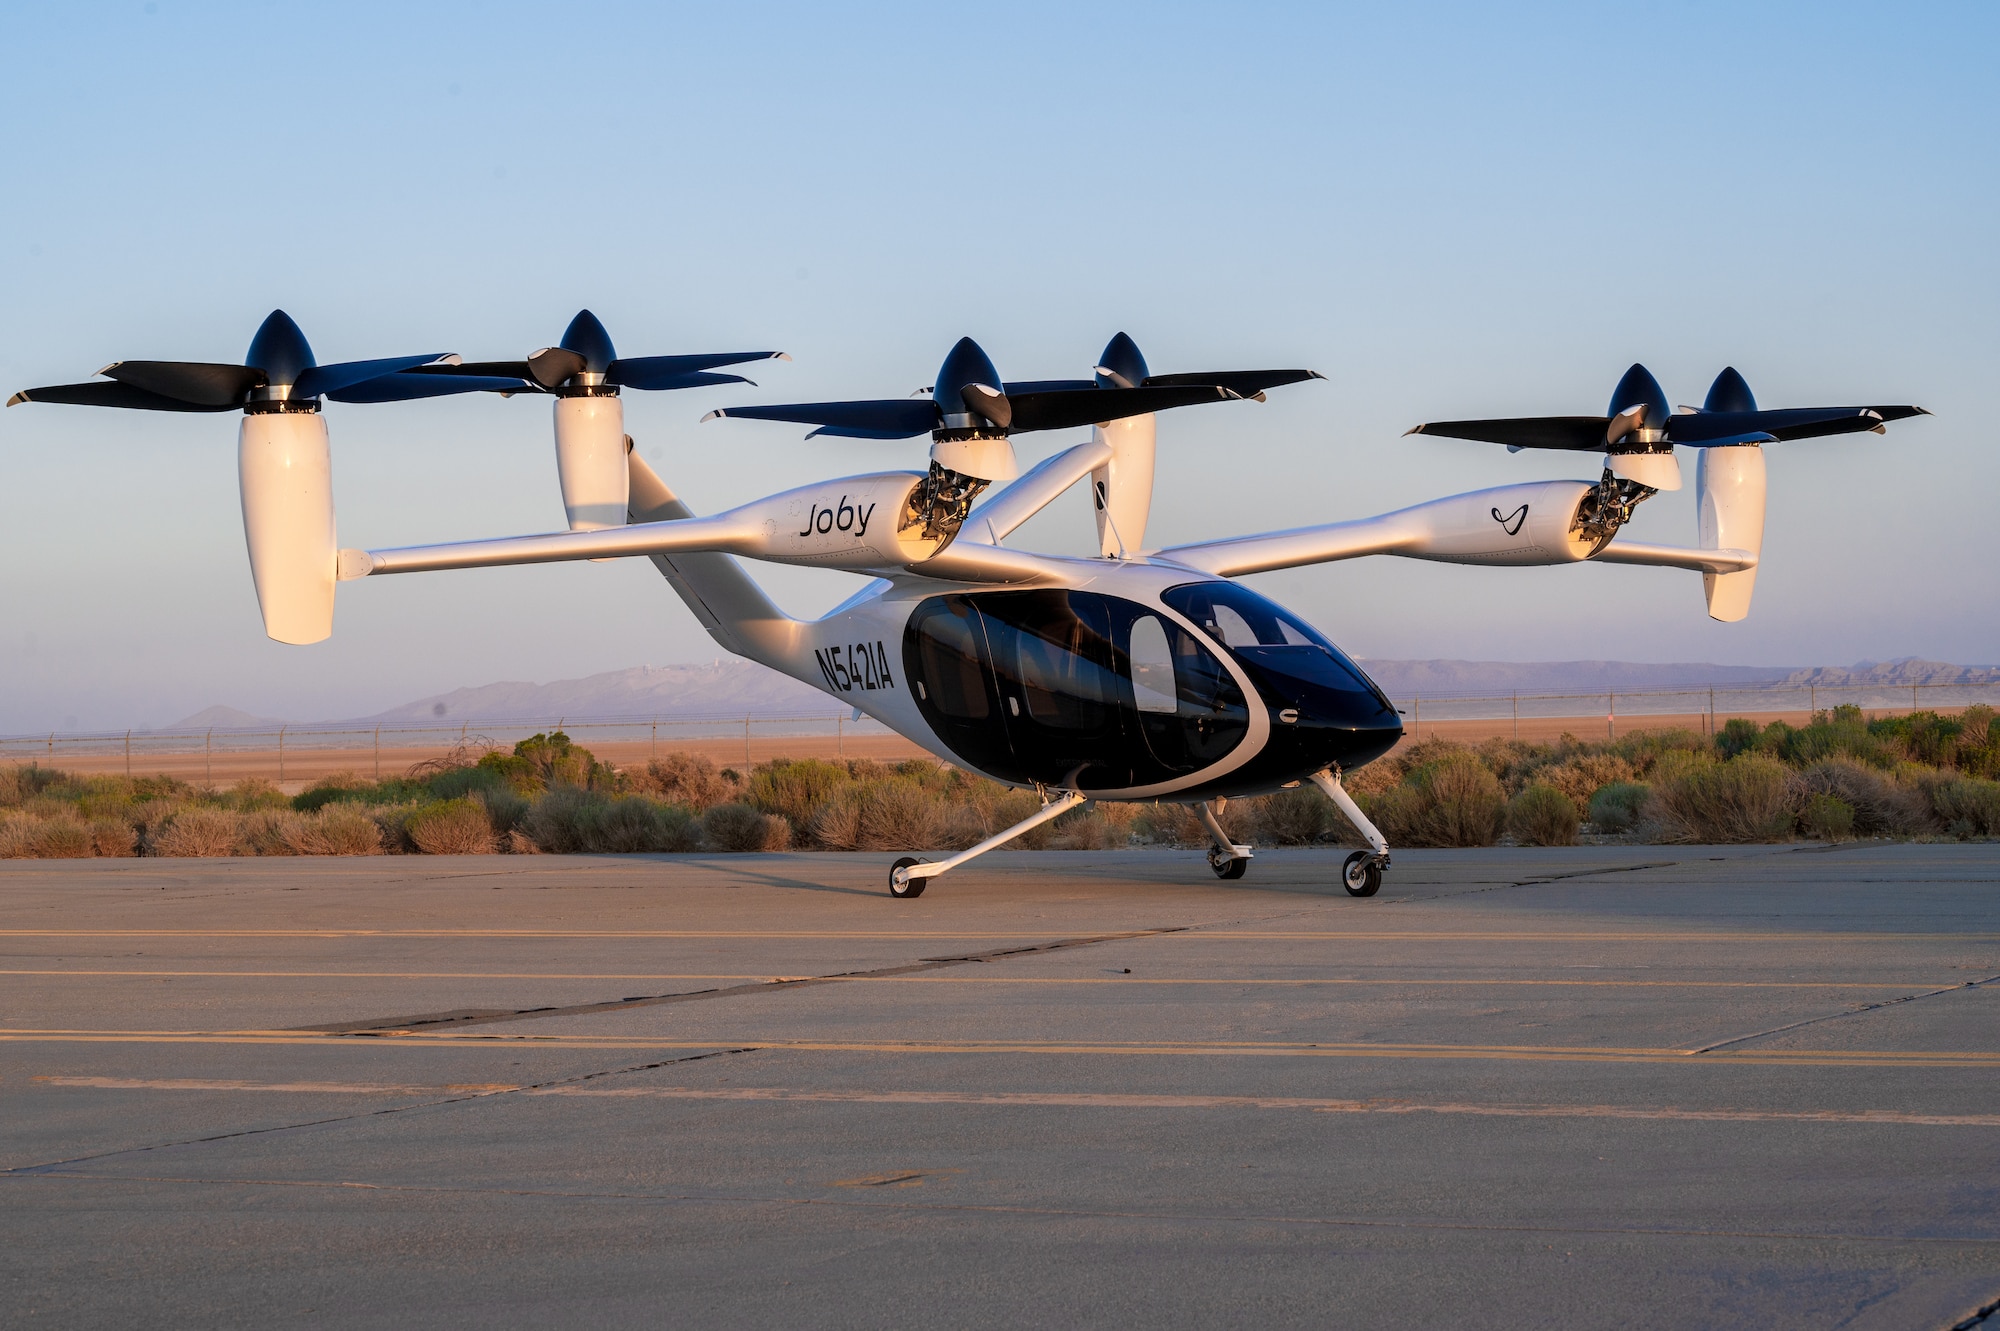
[
  {"x": 284, "y": 470},
  {"x": 1542, "y": 522},
  {"x": 590, "y": 461}
]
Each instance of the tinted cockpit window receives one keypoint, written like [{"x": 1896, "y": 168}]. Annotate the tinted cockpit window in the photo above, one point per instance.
[{"x": 1267, "y": 634}]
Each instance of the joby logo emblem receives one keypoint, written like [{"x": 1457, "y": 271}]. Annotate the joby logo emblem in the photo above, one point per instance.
[{"x": 1511, "y": 522}]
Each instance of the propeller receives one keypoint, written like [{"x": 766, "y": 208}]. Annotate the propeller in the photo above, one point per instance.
[
  {"x": 969, "y": 395},
  {"x": 1638, "y": 420},
  {"x": 586, "y": 363},
  {"x": 278, "y": 374}
]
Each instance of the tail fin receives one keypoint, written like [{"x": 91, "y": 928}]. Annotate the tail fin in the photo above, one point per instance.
[{"x": 1729, "y": 487}]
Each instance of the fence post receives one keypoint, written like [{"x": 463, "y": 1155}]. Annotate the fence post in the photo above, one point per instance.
[
  {"x": 1711, "y": 711},
  {"x": 208, "y": 757},
  {"x": 378, "y": 753},
  {"x": 1913, "y": 697},
  {"x": 128, "y": 755},
  {"x": 1611, "y": 716},
  {"x": 281, "y": 755},
  {"x": 1416, "y": 716},
  {"x": 746, "y": 746},
  {"x": 656, "y": 737},
  {"x": 840, "y": 734},
  {"x": 52, "y": 748},
  {"x": 1517, "y": 718},
  {"x": 1812, "y": 699}
]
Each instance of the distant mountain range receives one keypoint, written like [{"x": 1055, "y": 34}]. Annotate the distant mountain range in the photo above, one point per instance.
[{"x": 732, "y": 687}]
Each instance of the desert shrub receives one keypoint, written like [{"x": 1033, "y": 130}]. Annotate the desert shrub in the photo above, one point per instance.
[
  {"x": 27, "y": 780},
  {"x": 341, "y": 787},
  {"x": 1451, "y": 800},
  {"x": 632, "y": 825},
  {"x": 32, "y": 836},
  {"x": 1881, "y": 806},
  {"x": 1830, "y": 738},
  {"x": 504, "y": 808},
  {"x": 742, "y": 829},
  {"x": 1619, "y": 806},
  {"x": 558, "y": 822},
  {"x": 198, "y": 831},
  {"x": 17, "y": 835},
  {"x": 896, "y": 815},
  {"x": 339, "y": 829},
  {"x": 1968, "y": 807},
  {"x": 1826, "y": 818},
  {"x": 1739, "y": 734},
  {"x": 1543, "y": 815},
  {"x": 254, "y": 793},
  {"x": 687, "y": 779},
  {"x": 1298, "y": 817},
  {"x": 794, "y": 789},
  {"x": 450, "y": 827},
  {"x": 113, "y": 837},
  {"x": 1581, "y": 777},
  {"x": 460, "y": 781},
  {"x": 545, "y": 762},
  {"x": 1748, "y": 798},
  {"x": 273, "y": 832}
]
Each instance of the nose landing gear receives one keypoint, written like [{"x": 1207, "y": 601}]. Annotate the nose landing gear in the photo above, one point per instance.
[{"x": 1361, "y": 875}]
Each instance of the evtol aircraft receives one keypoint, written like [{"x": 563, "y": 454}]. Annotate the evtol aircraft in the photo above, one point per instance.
[{"x": 1135, "y": 674}]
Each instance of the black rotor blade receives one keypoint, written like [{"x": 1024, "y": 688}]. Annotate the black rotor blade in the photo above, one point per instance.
[
  {"x": 505, "y": 369},
  {"x": 702, "y": 380},
  {"x": 1245, "y": 383},
  {"x": 111, "y": 393},
  {"x": 1786, "y": 423},
  {"x": 1581, "y": 433},
  {"x": 550, "y": 366},
  {"x": 408, "y": 386},
  {"x": 199, "y": 383},
  {"x": 885, "y": 418},
  {"x": 1062, "y": 410},
  {"x": 654, "y": 373},
  {"x": 325, "y": 380}
]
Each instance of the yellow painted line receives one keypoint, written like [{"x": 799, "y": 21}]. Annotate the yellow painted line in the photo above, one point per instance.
[
  {"x": 998, "y": 979},
  {"x": 1050, "y": 1099},
  {"x": 1193, "y": 932},
  {"x": 1158, "y": 1049}
]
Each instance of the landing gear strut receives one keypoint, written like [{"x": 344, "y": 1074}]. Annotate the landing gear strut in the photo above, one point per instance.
[
  {"x": 1362, "y": 874},
  {"x": 908, "y": 875},
  {"x": 1228, "y": 859}
]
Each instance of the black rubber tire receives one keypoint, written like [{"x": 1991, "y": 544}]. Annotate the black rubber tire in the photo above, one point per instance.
[
  {"x": 1362, "y": 874},
  {"x": 913, "y": 888},
  {"x": 1228, "y": 870}
]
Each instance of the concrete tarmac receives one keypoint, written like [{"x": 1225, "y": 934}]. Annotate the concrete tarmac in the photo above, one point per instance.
[{"x": 1630, "y": 1086}]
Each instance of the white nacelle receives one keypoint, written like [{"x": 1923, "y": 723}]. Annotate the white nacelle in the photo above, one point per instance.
[
  {"x": 284, "y": 470},
  {"x": 590, "y": 461},
  {"x": 990, "y": 458},
  {"x": 1655, "y": 471},
  {"x": 1122, "y": 489},
  {"x": 1523, "y": 524},
  {"x": 1729, "y": 490},
  {"x": 848, "y": 523}
]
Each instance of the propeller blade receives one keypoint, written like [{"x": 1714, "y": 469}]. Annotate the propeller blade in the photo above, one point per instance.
[
  {"x": 664, "y": 385},
  {"x": 322, "y": 380},
  {"x": 888, "y": 418},
  {"x": 989, "y": 402},
  {"x": 111, "y": 393},
  {"x": 1584, "y": 434},
  {"x": 1787, "y": 423},
  {"x": 551, "y": 365},
  {"x": 1062, "y": 410},
  {"x": 505, "y": 369},
  {"x": 652, "y": 373},
  {"x": 409, "y": 386},
  {"x": 1245, "y": 383},
  {"x": 195, "y": 382}
]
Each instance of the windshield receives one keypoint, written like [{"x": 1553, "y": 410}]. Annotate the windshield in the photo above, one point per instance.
[{"x": 1266, "y": 635}]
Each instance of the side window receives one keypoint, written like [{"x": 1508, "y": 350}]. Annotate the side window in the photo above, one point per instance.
[
  {"x": 1152, "y": 666},
  {"x": 948, "y": 651}
]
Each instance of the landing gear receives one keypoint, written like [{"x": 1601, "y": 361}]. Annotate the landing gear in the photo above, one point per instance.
[
  {"x": 1228, "y": 859},
  {"x": 901, "y": 884},
  {"x": 908, "y": 875},
  {"x": 1362, "y": 874}
]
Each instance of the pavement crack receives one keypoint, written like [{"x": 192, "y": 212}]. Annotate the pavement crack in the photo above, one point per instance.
[
  {"x": 1978, "y": 1317},
  {"x": 1850, "y": 1012},
  {"x": 462, "y": 1017}
]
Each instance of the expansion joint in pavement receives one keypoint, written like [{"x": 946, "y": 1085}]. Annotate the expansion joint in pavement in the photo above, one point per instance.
[{"x": 1850, "y": 1012}]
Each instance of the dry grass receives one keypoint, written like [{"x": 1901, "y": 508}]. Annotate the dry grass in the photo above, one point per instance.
[
  {"x": 1543, "y": 815},
  {"x": 197, "y": 832},
  {"x": 451, "y": 827}
]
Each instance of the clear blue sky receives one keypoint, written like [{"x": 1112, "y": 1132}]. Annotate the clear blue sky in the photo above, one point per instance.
[{"x": 1448, "y": 210}]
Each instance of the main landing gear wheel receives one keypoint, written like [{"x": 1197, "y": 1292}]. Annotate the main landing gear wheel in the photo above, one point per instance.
[
  {"x": 1362, "y": 874},
  {"x": 913, "y": 887},
  {"x": 1227, "y": 867}
]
